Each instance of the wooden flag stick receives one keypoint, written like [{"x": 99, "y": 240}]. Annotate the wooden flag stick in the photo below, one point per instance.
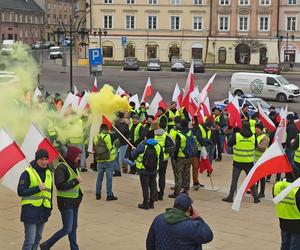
[
  {"x": 211, "y": 182},
  {"x": 123, "y": 136}
]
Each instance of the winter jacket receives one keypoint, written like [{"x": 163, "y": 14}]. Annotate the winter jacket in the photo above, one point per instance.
[
  {"x": 61, "y": 177},
  {"x": 174, "y": 230},
  {"x": 291, "y": 133},
  {"x": 31, "y": 214},
  {"x": 178, "y": 141},
  {"x": 142, "y": 135},
  {"x": 124, "y": 129}
]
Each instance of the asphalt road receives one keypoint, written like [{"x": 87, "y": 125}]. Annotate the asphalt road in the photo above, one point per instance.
[{"x": 56, "y": 79}]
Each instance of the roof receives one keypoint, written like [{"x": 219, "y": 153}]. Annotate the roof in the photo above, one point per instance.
[{"x": 22, "y": 5}]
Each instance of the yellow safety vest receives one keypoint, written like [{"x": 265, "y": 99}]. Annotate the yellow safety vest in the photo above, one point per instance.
[
  {"x": 51, "y": 129},
  {"x": 252, "y": 123},
  {"x": 72, "y": 193},
  {"x": 182, "y": 143},
  {"x": 139, "y": 160},
  {"x": 258, "y": 153},
  {"x": 161, "y": 139},
  {"x": 286, "y": 208},
  {"x": 42, "y": 197},
  {"x": 297, "y": 152},
  {"x": 136, "y": 135},
  {"x": 109, "y": 144},
  {"x": 204, "y": 134},
  {"x": 77, "y": 136},
  {"x": 243, "y": 150},
  {"x": 173, "y": 132},
  {"x": 171, "y": 116}
]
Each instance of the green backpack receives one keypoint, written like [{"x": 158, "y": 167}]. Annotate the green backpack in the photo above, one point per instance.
[{"x": 102, "y": 152}]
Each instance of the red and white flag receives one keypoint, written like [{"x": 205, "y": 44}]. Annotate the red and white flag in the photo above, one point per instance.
[
  {"x": 204, "y": 163},
  {"x": 95, "y": 86},
  {"x": 266, "y": 121},
  {"x": 148, "y": 91},
  {"x": 37, "y": 92},
  {"x": 189, "y": 88},
  {"x": 83, "y": 104},
  {"x": 206, "y": 107},
  {"x": 207, "y": 88},
  {"x": 177, "y": 96},
  {"x": 10, "y": 153},
  {"x": 75, "y": 90},
  {"x": 71, "y": 102},
  {"x": 286, "y": 191},
  {"x": 135, "y": 99},
  {"x": 280, "y": 134},
  {"x": 274, "y": 160},
  {"x": 233, "y": 109},
  {"x": 194, "y": 101},
  {"x": 155, "y": 104},
  {"x": 106, "y": 121},
  {"x": 121, "y": 91}
]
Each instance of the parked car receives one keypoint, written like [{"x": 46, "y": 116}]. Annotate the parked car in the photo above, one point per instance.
[
  {"x": 272, "y": 68},
  {"x": 38, "y": 45},
  {"x": 250, "y": 100},
  {"x": 55, "y": 52},
  {"x": 153, "y": 64},
  {"x": 130, "y": 63},
  {"x": 262, "y": 85},
  {"x": 7, "y": 46},
  {"x": 49, "y": 44},
  {"x": 178, "y": 65},
  {"x": 198, "y": 66},
  {"x": 68, "y": 41}
]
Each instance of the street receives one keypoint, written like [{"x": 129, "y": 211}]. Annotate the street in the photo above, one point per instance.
[{"x": 134, "y": 82}]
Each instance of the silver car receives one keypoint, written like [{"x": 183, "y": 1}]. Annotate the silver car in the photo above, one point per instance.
[
  {"x": 178, "y": 65},
  {"x": 153, "y": 64}
]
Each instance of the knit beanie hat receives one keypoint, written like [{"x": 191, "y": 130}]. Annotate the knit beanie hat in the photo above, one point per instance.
[
  {"x": 41, "y": 153},
  {"x": 72, "y": 153}
]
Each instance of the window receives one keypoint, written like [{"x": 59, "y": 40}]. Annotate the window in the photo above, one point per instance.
[
  {"x": 224, "y": 23},
  {"x": 175, "y": 23},
  {"x": 42, "y": 20},
  {"x": 243, "y": 23},
  {"x": 31, "y": 19},
  {"x": 271, "y": 81},
  {"x": 175, "y": 2},
  {"x": 292, "y": 1},
  {"x": 3, "y": 17},
  {"x": 107, "y": 1},
  {"x": 107, "y": 51},
  {"x": 263, "y": 23},
  {"x": 224, "y": 2},
  {"x": 198, "y": 2},
  {"x": 291, "y": 23},
  {"x": 16, "y": 18},
  {"x": 108, "y": 22},
  {"x": 244, "y": 2},
  {"x": 21, "y": 18},
  {"x": 197, "y": 23},
  {"x": 130, "y": 22},
  {"x": 152, "y": 22},
  {"x": 265, "y": 2},
  {"x": 26, "y": 19},
  {"x": 21, "y": 33},
  {"x": 130, "y": 1},
  {"x": 36, "y": 20},
  {"x": 10, "y": 17},
  {"x": 152, "y": 1}
]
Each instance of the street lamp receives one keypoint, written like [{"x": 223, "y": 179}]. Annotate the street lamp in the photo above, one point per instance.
[
  {"x": 83, "y": 32},
  {"x": 62, "y": 31},
  {"x": 100, "y": 33}
]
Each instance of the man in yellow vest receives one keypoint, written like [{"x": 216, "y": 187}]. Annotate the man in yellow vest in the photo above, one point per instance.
[
  {"x": 69, "y": 196},
  {"x": 162, "y": 118},
  {"x": 106, "y": 165},
  {"x": 35, "y": 188},
  {"x": 244, "y": 144},
  {"x": 288, "y": 212},
  {"x": 171, "y": 113}
]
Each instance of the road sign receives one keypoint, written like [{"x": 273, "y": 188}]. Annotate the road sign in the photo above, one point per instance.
[
  {"x": 124, "y": 40},
  {"x": 96, "y": 56}
]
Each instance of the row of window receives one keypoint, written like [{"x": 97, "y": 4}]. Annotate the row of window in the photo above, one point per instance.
[
  {"x": 19, "y": 18},
  {"x": 23, "y": 34},
  {"x": 199, "y": 2},
  {"x": 197, "y": 22}
]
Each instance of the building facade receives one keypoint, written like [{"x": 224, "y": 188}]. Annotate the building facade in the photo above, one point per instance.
[
  {"x": 146, "y": 29},
  {"x": 289, "y": 35},
  {"x": 243, "y": 32},
  {"x": 21, "y": 20}
]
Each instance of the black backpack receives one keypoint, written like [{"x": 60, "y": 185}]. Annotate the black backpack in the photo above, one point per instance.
[
  {"x": 150, "y": 158},
  {"x": 102, "y": 152}
]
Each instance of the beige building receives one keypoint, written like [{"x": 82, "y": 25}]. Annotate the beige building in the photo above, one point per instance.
[
  {"x": 152, "y": 28},
  {"x": 289, "y": 35},
  {"x": 243, "y": 32}
]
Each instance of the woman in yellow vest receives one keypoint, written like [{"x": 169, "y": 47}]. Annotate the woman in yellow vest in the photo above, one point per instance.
[
  {"x": 69, "y": 196},
  {"x": 35, "y": 188}
]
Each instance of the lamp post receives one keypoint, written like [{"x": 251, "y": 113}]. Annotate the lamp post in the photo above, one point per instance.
[
  {"x": 72, "y": 31},
  {"x": 286, "y": 51},
  {"x": 100, "y": 33}
]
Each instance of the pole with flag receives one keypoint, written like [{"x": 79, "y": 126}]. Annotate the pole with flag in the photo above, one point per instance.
[
  {"x": 95, "y": 86},
  {"x": 148, "y": 91}
]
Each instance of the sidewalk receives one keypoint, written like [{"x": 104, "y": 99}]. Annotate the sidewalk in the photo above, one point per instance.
[{"x": 121, "y": 225}]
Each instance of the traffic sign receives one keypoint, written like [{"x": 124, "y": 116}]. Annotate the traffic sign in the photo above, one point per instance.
[
  {"x": 96, "y": 56},
  {"x": 124, "y": 40}
]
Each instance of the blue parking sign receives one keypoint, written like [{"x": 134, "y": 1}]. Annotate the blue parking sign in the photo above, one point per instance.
[
  {"x": 124, "y": 40},
  {"x": 96, "y": 56}
]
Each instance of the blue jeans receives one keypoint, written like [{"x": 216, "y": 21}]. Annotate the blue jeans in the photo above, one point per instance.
[
  {"x": 33, "y": 235},
  {"x": 107, "y": 167},
  {"x": 121, "y": 156},
  {"x": 69, "y": 219},
  {"x": 290, "y": 155},
  {"x": 289, "y": 241}
]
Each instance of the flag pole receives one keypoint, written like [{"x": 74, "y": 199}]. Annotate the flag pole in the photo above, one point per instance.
[
  {"x": 123, "y": 136},
  {"x": 211, "y": 182}
]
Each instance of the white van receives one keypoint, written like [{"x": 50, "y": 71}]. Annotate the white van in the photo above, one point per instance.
[{"x": 264, "y": 86}]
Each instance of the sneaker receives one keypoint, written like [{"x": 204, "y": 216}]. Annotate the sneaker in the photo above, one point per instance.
[
  {"x": 98, "y": 196},
  {"x": 197, "y": 185},
  {"x": 256, "y": 200},
  {"x": 143, "y": 206},
  {"x": 117, "y": 174},
  {"x": 83, "y": 170},
  {"x": 261, "y": 195},
  {"x": 44, "y": 247},
  {"x": 111, "y": 198},
  {"x": 228, "y": 199},
  {"x": 173, "y": 195}
]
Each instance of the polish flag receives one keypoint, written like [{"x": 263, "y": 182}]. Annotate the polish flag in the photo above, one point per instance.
[
  {"x": 95, "y": 86},
  {"x": 155, "y": 104},
  {"x": 206, "y": 107},
  {"x": 121, "y": 91},
  {"x": 274, "y": 160},
  {"x": 189, "y": 88},
  {"x": 280, "y": 134},
  {"x": 75, "y": 90},
  {"x": 106, "y": 121},
  {"x": 207, "y": 88},
  {"x": 194, "y": 101},
  {"x": 177, "y": 96},
  {"x": 266, "y": 121},
  {"x": 204, "y": 163},
  {"x": 148, "y": 91},
  {"x": 233, "y": 109},
  {"x": 135, "y": 99},
  {"x": 10, "y": 153},
  {"x": 297, "y": 123},
  {"x": 83, "y": 104},
  {"x": 286, "y": 191}
]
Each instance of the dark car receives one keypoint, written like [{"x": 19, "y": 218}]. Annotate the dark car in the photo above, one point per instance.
[
  {"x": 272, "y": 68},
  {"x": 49, "y": 44},
  {"x": 199, "y": 66},
  {"x": 131, "y": 63}
]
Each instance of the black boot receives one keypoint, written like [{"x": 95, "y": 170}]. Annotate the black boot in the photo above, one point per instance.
[
  {"x": 144, "y": 205},
  {"x": 151, "y": 204}
]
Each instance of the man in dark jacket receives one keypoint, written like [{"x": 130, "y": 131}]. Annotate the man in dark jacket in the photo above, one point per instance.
[
  {"x": 162, "y": 118},
  {"x": 35, "y": 188},
  {"x": 291, "y": 134},
  {"x": 69, "y": 196},
  {"x": 179, "y": 228}
]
